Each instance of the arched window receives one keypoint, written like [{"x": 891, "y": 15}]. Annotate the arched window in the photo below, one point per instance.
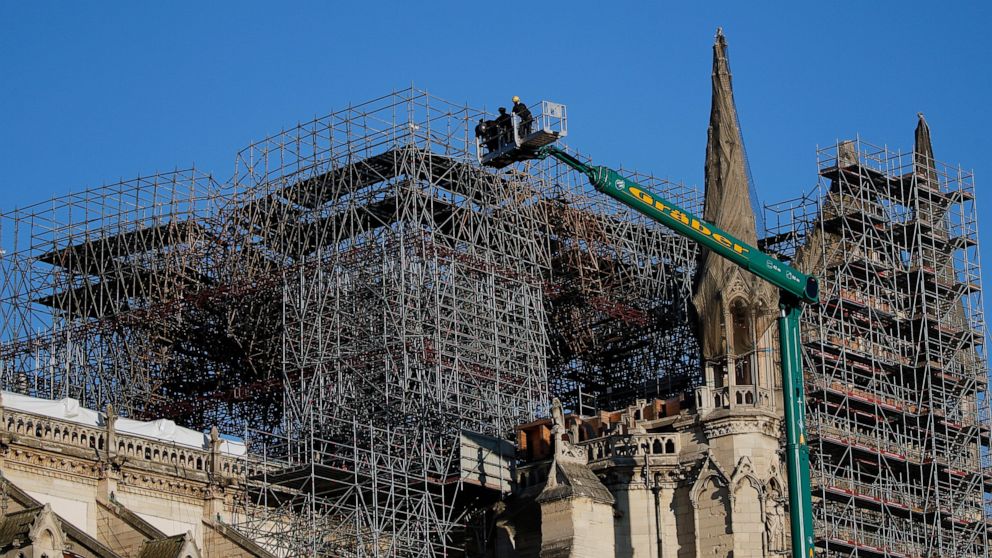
[
  {"x": 742, "y": 347},
  {"x": 656, "y": 447},
  {"x": 670, "y": 446}
]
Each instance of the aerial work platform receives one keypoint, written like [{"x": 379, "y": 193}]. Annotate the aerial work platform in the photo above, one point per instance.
[{"x": 548, "y": 124}]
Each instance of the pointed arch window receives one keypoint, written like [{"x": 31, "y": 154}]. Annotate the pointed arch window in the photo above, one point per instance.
[{"x": 742, "y": 342}]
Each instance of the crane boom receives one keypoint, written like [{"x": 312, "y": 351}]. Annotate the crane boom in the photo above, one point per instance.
[
  {"x": 608, "y": 181},
  {"x": 795, "y": 288}
]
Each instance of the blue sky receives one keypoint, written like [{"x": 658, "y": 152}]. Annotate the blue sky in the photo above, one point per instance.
[{"x": 94, "y": 92}]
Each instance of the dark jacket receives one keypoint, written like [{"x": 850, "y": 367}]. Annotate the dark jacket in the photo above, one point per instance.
[{"x": 522, "y": 112}]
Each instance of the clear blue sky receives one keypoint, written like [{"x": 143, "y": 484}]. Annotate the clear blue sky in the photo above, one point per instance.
[{"x": 93, "y": 92}]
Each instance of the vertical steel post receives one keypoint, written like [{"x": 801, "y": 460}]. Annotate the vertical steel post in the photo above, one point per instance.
[{"x": 796, "y": 450}]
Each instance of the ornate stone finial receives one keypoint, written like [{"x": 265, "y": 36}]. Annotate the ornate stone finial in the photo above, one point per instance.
[
  {"x": 557, "y": 415},
  {"x": 111, "y": 423},
  {"x": 557, "y": 427},
  {"x": 215, "y": 457}
]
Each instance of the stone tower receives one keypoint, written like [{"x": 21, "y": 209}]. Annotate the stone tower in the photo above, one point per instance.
[{"x": 736, "y": 314}]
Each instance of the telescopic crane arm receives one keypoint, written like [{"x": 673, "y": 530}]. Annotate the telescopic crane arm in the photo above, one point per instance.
[{"x": 795, "y": 288}]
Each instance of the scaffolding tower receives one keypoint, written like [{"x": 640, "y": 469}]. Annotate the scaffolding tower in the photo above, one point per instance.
[
  {"x": 369, "y": 306},
  {"x": 895, "y": 364},
  {"x": 111, "y": 296},
  {"x": 429, "y": 304}
]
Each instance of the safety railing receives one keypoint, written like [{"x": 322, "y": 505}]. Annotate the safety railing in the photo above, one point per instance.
[{"x": 540, "y": 124}]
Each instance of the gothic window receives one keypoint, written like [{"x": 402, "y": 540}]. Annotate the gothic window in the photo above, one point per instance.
[{"x": 742, "y": 333}]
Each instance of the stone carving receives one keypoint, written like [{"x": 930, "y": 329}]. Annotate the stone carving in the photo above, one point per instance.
[
  {"x": 775, "y": 526},
  {"x": 563, "y": 449},
  {"x": 557, "y": 416},
  {"x": 738, "y": 425}
]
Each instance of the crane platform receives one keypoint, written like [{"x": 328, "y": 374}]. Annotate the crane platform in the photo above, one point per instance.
[{"x": 548, "y": 124}]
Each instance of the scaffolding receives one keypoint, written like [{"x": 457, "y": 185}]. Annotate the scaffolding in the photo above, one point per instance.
[
  {"x": 427, "y": 300},
  {"x": 894, "y": 357},
  {"x": 110, "y": 296},
  {"x": 373, "y": 309}
]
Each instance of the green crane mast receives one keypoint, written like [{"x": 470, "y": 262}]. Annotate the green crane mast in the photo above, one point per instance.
[{"x": 795, "y": 288}]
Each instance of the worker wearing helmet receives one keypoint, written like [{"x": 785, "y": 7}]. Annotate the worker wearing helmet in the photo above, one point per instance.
[{"x": 523, "y": 113}]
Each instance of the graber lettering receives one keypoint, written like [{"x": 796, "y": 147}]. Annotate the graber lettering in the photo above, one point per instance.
[{"x": 682, "y": 217}]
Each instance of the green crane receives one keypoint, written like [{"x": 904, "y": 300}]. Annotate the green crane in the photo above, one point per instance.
[
  {"x": 534, "y": 140},
  {"x": 795, "y": 288}
]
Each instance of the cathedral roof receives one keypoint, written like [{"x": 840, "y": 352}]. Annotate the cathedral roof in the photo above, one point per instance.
[
  {"x": 570, "y": 479},
  {"x": 14, "y": 527},
  {"x": 168, "y": 547}
]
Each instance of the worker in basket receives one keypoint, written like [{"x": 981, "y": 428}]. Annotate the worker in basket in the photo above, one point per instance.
[
  {"x": 487, "y": 132},
  {"x": 523, "y": 113},
  {"x": 504, "y": 127}
]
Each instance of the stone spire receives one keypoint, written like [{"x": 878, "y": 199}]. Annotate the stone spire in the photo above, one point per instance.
[
  {"x": 727, "y": 205},
  {"x": 923, "y": 153},
  {"x": 925, "y": 169},
  {"x": 728, "y": 202}
]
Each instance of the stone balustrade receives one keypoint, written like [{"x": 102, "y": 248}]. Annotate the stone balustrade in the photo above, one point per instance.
[
  {"x": 53, "y": 433},
  {"x": 734, "y": 396},
  {"x": 630, "y": 445}
]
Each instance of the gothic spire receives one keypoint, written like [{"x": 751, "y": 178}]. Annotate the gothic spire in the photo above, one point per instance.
[
  {"x": 727, "y": 204},
  {"x": 728, "y": 201},
  {"x": 923, "y": 152}
]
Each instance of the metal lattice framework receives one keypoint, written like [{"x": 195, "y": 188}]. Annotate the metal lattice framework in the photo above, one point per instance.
[
  {"x": 112, "y": 296},
  {"x": 895, "y": 360},
  {"x": 425, "y": 297},
  {"x": 360, "y": 298}
]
